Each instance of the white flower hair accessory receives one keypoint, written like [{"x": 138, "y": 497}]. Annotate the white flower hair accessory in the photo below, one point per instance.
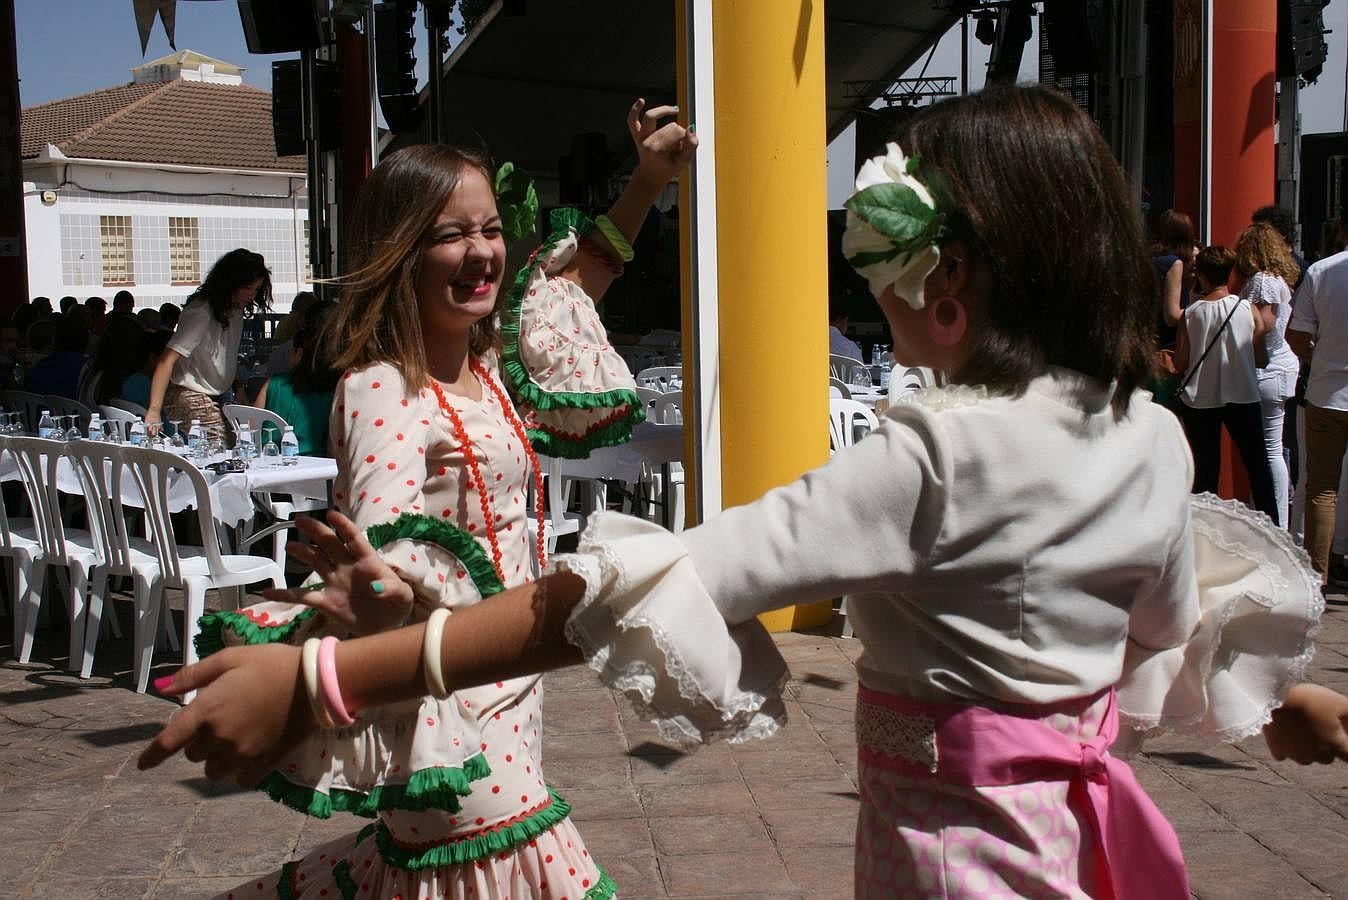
[{"x": 893, "y": 227}]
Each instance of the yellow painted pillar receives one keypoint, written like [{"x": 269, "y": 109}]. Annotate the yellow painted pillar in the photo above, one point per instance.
[{"x": 772, "y": 249}]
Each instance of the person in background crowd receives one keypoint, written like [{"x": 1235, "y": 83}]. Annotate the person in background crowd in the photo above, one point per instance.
[
  {"x": 1264, "y": 272},
  {"x": 117, "y": 370},
  {"x": 67, "y": 304},
  {"x": 1318, "y": 333},
  {"x": 282, "y": 358},
  {"x": 302, "y": 395},
  {"x": 168, "y": 316},
  {"x": 149, "y": 318},
  {"x": 123, "y": 303},
  {"x": 97, "y": 309},
  {"x": 41, "y": 308},
  {"x": 839, "y": 344},
  {"x": 11, "y": 367},
  {"x": 203, "y": 354},
  {"x": 1223, "y": 384},
  {"x": 40, "y": 339},
  {"x": 1172, "y": 258},
  {"x": 59, "y": 371}
]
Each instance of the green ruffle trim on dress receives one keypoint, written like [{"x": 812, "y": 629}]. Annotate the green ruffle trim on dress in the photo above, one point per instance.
[
  {"x": 452, "y": 539},
  {"x": 604, "y": 889},
  {"x": 210, "y": 638},
  {"x": 456, "y": 853},
  {"x": 341, "y": 876},
  {"x": 439, "y": 787},
  {"x": 521, "y": 383},
  {"x": 285, "y": 882}
]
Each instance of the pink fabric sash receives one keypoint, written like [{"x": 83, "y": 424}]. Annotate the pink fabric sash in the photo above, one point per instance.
[{"x": 1138, "y": 853}]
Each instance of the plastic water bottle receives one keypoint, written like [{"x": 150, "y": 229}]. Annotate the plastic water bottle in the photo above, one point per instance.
[
  {"x": 46, "y": 426},
  {"x": 137, "y": 436},
  {"x": 196, "y": 438},
  {"x": 244, "y": 447},
  {"x": 290, "y": 446},
  {"x": 95, "y": 427}
]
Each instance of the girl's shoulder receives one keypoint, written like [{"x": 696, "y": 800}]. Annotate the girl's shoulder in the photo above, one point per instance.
[{"x": 382, "y": 378}]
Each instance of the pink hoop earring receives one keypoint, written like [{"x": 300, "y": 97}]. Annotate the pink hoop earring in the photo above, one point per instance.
[{"x": 946, "y": 322}]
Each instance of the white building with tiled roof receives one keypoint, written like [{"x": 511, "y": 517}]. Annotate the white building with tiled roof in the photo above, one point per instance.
[{"x": 144, "y": 185}]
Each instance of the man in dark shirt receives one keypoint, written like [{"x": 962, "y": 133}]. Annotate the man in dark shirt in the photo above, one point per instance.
[{"x": 59, "y": 371}]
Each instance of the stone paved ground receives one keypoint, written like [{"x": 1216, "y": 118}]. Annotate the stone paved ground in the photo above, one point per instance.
[{"x": 773, "y": 819}]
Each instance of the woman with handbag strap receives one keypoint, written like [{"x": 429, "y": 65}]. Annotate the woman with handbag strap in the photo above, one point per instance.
[{"x": 1221, "y": 386}]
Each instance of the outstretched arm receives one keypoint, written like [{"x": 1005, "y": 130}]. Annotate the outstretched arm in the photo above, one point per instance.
[{"x": 1311, "y": 726}]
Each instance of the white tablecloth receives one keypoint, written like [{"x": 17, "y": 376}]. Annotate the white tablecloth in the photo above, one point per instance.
[{"x": 231, "y": 499}]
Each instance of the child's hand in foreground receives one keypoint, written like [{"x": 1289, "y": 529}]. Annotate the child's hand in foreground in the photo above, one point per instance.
[{"x": 1310, "y": 726}]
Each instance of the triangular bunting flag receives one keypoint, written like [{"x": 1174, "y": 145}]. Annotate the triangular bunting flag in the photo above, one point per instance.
[{"x": 145, "y": 13}]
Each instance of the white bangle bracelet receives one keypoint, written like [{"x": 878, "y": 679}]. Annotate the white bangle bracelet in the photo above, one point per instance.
[
  {"x": 430, "y": 654},
  {"x": 309, "y": 664}
]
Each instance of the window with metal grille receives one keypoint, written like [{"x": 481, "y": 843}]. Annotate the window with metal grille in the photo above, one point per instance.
[
  {"x": 114, "y": 239},
  {"x": 184, "y": 255}
]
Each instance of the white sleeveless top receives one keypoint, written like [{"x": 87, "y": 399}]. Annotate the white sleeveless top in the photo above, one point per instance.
[{"x": 1227, "y": 375}]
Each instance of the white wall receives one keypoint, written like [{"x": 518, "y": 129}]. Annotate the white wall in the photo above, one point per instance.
[{"x": 265, "y": 213}]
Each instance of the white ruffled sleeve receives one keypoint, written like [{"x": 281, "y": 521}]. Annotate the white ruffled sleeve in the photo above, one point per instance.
[
  {"x": 650, "y": 629},
  {"x": 1213, "y": 650},
  {"x": 577, "y": 393}
]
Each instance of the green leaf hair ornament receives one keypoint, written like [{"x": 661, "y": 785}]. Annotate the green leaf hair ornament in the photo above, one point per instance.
[
  {"x": 893, "y": 228},
  {"x": 516, "y": 201}
]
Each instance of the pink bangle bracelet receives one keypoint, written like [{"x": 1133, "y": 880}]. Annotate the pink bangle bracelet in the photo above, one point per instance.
[{"x": 327, "y": 681}]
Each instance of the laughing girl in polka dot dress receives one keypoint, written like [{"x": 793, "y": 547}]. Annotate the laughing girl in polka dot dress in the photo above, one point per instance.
[{"x": 446, "y": 393}]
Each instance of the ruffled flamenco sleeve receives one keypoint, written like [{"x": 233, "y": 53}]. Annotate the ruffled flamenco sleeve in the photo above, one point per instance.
[
  {"x": 1229, "y": 630},
  {"x": 576, "y": 392},
  {"x": 649, "y": 628}
]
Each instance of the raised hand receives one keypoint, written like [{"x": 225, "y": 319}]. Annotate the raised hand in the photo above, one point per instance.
[
  {"x": 250, "y": 709},
  {"x": 663, "y": 151},
  {"x": 1311, "y": 726},
  {"x": 359, "y": 589}
]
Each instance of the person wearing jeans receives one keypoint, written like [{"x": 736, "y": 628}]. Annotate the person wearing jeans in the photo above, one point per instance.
[
  {"x": 1319, "y": 332},
  {"x": 1215, "y": 351}
]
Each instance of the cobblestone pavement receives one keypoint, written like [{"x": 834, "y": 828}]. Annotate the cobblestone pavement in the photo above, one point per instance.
[{"x": 771, "y": 819}]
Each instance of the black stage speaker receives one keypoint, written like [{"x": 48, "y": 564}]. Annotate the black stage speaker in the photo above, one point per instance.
[
  {"x": 1075, "y": 31},
  {"x": 1301, "y": 38},
  {"x": 280, "y": 26},
  {"x": 395, "y": 58},
  {"x": 287, "y": 106}
]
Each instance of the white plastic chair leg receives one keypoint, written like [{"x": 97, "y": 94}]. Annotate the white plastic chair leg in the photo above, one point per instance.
[
  {"x": 148, "y": 602},
  {"x": 94, "y": 616},
  {"x": 166, "y": 630},
  {"x": 79, "y": 589},
  {"x": 28, "y": 578},
  {"x": 847, "y": 620},
  {"x": 195, "y": 599}
]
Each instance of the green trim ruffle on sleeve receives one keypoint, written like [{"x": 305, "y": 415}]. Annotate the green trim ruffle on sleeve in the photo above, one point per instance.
[
  {"x": 456, "y": 853},
  {"x": 522, "y": 385},
  {"x": 210, "y": 638},
  {"x": 341, "y": 876},
  {"x": 450, "y": 538},
  {"x": 439, "y": 787},
  {"x": 570, "y": 446}
]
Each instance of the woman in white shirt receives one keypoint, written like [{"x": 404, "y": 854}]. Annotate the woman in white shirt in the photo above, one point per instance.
[
  {"x": 203, "y": 354},
  {"x": 1264, "y": 270},
  {"x": 1217, "y": 346}
]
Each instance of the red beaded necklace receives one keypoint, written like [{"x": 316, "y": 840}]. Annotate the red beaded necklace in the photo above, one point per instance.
[{"x": 461, "y": 435}]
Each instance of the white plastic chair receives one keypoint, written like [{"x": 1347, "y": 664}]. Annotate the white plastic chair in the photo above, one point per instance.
[
  {"x": 661, "y": 378},
  {"x": 843, "y": 426},
  {"x": 19, "y": 544},
  {"x": 64, "y": 406},
  {"x": 843, "y": 368},
  {"x": 837, "y": 388},
  {"x": 256, "y": 418},
  {"x": 99, "y": 466},
  {"x": 121, "y": 420},
  {"x": 73, "y": 548},
  {"x": 26, "y": 402},
  {"x": 133, "y": 408},
  {"x": 668, "y": 409},
  {"x": 907, "y": 380},
  {"x": 194, "y": 570},
  {"x": 639, "y": 357}
]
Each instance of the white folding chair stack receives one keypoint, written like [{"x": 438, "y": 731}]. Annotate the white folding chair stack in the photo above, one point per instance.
[
  {"x": 257, "y": 418},
  {"x": 100, "y": 469},
  {"x": 74, "y": 549},
  {"x": 193, "y": 570}
]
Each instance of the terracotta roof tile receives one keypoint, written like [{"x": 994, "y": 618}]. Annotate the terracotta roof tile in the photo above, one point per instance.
[{"x": 182, "y": 122}]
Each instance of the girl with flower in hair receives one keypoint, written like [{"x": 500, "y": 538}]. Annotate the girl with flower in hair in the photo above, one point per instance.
[{"x": 1020, "y": 552}]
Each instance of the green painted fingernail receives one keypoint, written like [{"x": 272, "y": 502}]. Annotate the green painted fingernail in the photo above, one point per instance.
[{"x": 377, "y": 587}]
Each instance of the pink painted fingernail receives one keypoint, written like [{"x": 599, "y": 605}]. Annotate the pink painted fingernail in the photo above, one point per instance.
[{"x": 163, "y": 684}]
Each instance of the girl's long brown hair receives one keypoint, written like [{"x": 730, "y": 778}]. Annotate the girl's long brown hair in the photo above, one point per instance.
[{"x": 377, "y": 318}]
